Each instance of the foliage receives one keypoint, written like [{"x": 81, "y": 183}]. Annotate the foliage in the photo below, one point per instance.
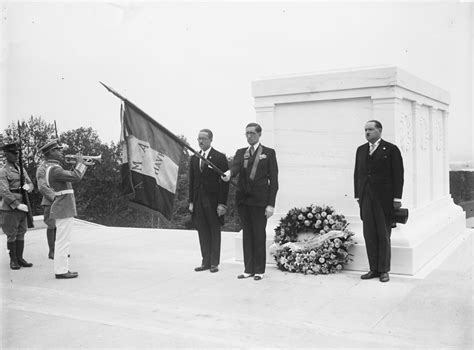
[
  {"x": 98, "y": 195},
  {"x": 312, "y": 240}
]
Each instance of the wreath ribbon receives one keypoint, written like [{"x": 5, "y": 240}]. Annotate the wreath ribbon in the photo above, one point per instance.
[{"x": 312, "y": 243}]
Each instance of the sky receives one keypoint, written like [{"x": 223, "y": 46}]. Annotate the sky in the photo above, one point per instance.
[{"x": 190, "y": 65}]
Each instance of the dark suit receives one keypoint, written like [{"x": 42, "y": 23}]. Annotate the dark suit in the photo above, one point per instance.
[
  {"x": 252, "y": 198},
  {"x": 206, "y": 192},
  {"x": 378, "y": 180}
]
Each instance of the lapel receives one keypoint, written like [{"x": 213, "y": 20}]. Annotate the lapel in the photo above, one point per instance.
[
  {"x": 364, "y": 153},
  {"x": 210, "y": 157},
  {"x": 195, "y": 164},
  {"x": 262, "y": 153},
  {"x": 380, "y": 151}
]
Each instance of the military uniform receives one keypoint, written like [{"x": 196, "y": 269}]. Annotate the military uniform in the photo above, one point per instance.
[
  {"x": 14, "y": 219},
  {"x": 48, "y": 198},
  {"x": 63, "y": 210},
  {"x": 58, "y": 195}
]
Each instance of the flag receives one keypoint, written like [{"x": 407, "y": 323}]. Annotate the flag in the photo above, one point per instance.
[{"x": 150, "y": 161}]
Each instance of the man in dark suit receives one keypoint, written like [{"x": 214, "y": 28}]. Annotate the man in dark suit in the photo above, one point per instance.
[
  {"x": 207, "y": 200},
  {"x": 257, "y": 168},
  {"x": 378, "y": 187}
]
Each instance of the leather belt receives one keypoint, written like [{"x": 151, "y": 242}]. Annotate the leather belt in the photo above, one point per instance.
[{"x": 59, "y": 193}]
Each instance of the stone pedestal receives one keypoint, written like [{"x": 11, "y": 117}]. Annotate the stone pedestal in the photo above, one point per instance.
[{"x": 315, "y": 122}]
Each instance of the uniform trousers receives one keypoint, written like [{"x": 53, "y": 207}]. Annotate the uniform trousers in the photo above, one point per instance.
[
  {"x": 62, "y": 245},
  {"x": 14, "y": 225},
  {"x": 254, "y": 223},
  {"x": 209, "y": 228},
  {"x": 377, "y": 230}
]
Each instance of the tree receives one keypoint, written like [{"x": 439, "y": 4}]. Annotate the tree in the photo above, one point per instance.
[{"x": 98, "y": 196}]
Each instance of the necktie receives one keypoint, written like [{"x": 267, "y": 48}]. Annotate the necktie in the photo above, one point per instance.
[
  {"x": 251, "y": 151},
  {"x": 371, "y": 148}
]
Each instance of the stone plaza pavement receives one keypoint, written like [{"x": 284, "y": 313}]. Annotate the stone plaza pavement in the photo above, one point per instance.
[{"x": 137, "y": 289}]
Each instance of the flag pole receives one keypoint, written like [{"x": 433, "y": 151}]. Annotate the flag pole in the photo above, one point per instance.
[
  {"x": 56, "y": 130},
  {"x": 169, "y": 133},
  {"x": 24, "y": 193}
]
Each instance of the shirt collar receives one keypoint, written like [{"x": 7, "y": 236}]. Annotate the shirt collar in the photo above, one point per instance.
[
  {"x": 376, "y": 143},
  {"x": 205, "y": 153},
  {"x": 255, "y": 147}
]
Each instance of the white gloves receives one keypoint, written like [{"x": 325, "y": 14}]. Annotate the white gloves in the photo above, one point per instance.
[
  {"x": 226, "y": 176},
  {"x": 269, "y": 211},
  {"x": 28, "y": 187},
  {"x": 22, "y": 207}
]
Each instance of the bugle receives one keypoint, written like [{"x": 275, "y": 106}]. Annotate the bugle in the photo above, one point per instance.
[{"x": 88, "y": 160}]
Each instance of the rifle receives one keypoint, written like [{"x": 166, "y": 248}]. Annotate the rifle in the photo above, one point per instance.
[{"x": 24, "y": 194}]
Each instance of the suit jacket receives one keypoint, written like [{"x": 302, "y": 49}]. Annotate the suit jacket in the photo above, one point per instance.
[
  {"x": 383, "y": 172},
  {"x": 209, "y": 179},
  {"x": 262, "y": 190}
]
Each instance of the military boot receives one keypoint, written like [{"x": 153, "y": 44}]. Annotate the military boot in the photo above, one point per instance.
[
  {"x": 13, "y": 259},
  {"x": 20, "y": 245}
]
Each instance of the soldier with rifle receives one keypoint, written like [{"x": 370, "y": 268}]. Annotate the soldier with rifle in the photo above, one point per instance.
[{"x": 14, "y": 204}]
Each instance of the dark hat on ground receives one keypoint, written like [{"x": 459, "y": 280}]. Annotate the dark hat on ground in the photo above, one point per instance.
[
  {"x": 11, "y": 147},
  {"x": 400, "y": 215},
  {"x": 49, "y": 145}
]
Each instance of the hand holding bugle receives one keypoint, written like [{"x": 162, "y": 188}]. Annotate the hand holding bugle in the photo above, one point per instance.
[{"x": 88, "y": 160}]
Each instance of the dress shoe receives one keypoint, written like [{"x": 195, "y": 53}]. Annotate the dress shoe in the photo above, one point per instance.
[
  {"x": 201, "y": 268},
  {"x": 258, "y": 277},
  {"x": 68, "y": 274},
  {"x": 23, "y": 263},
  {"x": 14, "y": 265},
  {"x": 384, "y": 277},
  {"x": 214, "y": 269},
  {"x": 244, "y": 275},
  {"x": 370, "y": 274},
  {"x": 51, "y": 255}
]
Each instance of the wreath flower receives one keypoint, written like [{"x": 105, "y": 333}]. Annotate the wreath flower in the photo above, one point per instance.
[{"x": 312, "y": 240}]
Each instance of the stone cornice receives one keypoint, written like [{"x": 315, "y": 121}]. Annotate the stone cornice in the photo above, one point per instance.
[{"x": 382, "y": 77}]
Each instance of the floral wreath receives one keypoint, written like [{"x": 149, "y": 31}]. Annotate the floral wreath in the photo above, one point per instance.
[{"x": 312, "y": 240}]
